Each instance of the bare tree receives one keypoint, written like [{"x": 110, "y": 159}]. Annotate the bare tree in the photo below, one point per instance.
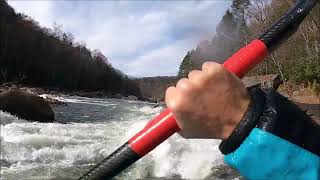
[
  {"x": 277, "y": 63},
  {"x": 4, "y": 74},
  {"x": 20, "y": 77},
  {"x": 257, "y": 10}
]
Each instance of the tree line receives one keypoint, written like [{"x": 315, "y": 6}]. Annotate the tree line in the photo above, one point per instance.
[
  {"x": 297, "y": 60},
  {"x": 39, "y": 56}
]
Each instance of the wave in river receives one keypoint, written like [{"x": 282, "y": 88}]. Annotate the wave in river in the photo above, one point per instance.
[{"x": 67, "y": 150}]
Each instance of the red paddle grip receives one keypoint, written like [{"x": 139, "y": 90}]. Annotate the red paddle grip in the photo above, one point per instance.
[{"x": 164, "y": 125}]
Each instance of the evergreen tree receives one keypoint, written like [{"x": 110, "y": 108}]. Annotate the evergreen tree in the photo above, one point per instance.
[
  {"x": 238, "y": 9},
  {"x": 223, "y": 45},
  {"x": 296, "y": 60},
  {"x": 186, "y": 66},
  {"x": 227, "y": 39},
  {"x": 37, "y": 56}
]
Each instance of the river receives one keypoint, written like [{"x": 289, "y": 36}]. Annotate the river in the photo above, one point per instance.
[{"x": 87, "y": 130}]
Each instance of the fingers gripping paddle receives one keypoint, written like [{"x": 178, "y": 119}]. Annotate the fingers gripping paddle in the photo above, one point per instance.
[{"x": 164, "y": 125}]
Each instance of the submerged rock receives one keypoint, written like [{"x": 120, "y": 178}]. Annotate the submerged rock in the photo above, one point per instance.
[
  {"x": 131, "y": 98},
  {"x": 117, "y": 96},
  {"x": 26, "y": 105},
  {"x": 224, "y": 172},
  {"x": 4, "y": 163},
  {"x": 160, "y": 104}
]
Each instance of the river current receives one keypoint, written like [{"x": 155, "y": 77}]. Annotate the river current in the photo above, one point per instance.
[{"x": 87, "y": 130}]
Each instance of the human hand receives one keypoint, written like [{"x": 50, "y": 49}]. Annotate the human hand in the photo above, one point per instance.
[{"x": 209, "y": 103}]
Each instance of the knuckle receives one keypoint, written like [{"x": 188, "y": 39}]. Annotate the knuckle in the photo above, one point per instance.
[
  {"x": 212, "y": 67},
  {"x": 198, "y": 79},
  {"x": 169, "y": 95},
  {"x": 173, "y": 99},
  {"x": 184, "y": 84},
  {"x": 208, "y": 64},
  {"x": 169, "y": 90},
  {"x": 176, "y": 106},
  {"x": 194, "y": 74}
]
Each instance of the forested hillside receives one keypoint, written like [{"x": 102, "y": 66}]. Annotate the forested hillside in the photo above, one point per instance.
[
  {"x": 39, "y": 56},
  {"x": 298, "y": 59}
]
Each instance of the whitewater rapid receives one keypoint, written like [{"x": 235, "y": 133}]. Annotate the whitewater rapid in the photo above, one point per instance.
[{"x": 86, "y": 131}]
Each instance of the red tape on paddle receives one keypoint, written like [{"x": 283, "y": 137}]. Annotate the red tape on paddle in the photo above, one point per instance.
[
  {"x": 164, "y": 125},
  {"x": 246, "y": 58}
]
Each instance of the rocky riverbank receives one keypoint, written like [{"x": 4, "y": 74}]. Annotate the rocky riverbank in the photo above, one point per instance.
[
  {"x": 43, "y": 91},
  {"x": 153, "y": 90},
  {"x": 35, "y": 103}
]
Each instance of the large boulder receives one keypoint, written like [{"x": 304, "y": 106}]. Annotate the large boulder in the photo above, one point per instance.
[
  {"x": 266, "y": 81},
  {"x": 312, "y": 110},
  {"x": 4, "y": 163},
  {"x": 26, "y": 105}
]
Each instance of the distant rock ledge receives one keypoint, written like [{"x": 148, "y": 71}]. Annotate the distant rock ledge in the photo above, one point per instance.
[{"x": 153, "y": 88}]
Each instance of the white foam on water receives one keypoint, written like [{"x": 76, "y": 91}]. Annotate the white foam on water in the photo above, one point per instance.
[
  {"x": 77, "y": 99},
  {"x": 150, "y": 110},
  {"x": 186, "y": 158},
  {"x": 65, "y": 150},
  {"x": 190, "y": 159},
  {"x": 6, "y": 118}
]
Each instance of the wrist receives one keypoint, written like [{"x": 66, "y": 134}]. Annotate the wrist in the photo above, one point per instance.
[
  {"x": 233, "y": 139},
  {"x": 239, "y": 100},
  {"x": 236, "y": 117}
]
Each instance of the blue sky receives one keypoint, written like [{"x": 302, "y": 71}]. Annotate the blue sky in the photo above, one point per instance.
[{"x": 141, "y": 38}]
